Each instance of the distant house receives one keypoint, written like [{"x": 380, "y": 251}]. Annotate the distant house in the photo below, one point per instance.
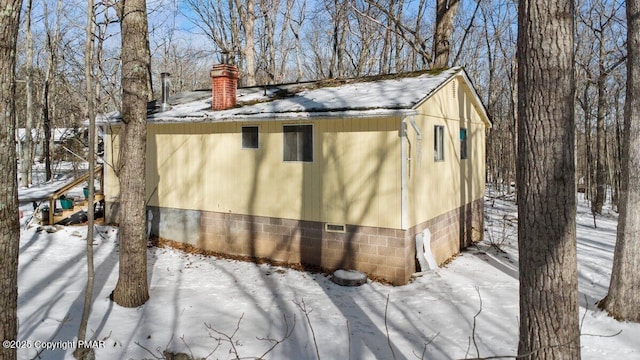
[
  {"x": 333, "y": 174},
  {"x": 59, "y": 136},
  {"x": 65, "y": 142}
]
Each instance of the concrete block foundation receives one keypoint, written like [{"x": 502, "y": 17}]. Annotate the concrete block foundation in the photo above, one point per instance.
[{"x": 382, "y": 253}]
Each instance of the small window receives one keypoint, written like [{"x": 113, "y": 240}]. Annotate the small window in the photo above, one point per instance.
[
  {"x": 463, "y": 143},
  {"x": 249, "y": 137},
  {"x": 438, "y": 143},
  {"x": 298, "y": 143}
]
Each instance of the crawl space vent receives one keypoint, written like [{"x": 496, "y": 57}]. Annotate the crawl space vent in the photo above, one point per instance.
[
  {"x": 454, "y": 91},
  {"x": 334, "y": 228}
]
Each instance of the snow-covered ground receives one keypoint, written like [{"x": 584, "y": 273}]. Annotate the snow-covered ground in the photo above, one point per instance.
[{"x": 192, "y": 295}]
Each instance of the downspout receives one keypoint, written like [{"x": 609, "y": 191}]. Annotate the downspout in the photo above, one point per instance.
[
  {"x": 404, "y": 166},
  {"x": 425, "y": 258},
  {"x": 405, "y": 157},
  {"x": 404, "y": 216}
]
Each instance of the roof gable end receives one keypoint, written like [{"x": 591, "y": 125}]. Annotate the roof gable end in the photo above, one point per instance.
[{"x": 477, "y": 102}]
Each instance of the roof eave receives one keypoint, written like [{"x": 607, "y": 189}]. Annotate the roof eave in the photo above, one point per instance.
[{"x": 206, "y": 118}]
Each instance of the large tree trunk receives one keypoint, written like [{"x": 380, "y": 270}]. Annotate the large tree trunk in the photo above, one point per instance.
[
  {"x": 545, "y": 181},
  {"x": 132, "y": 288},
  {"x": 445, "y": 12},
  {"x": 9, "y": 223},
  {"x": 623, "y": 299}
]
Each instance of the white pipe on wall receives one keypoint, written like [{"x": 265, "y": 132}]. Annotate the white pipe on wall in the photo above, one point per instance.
[{"x": 404, "y": 219}]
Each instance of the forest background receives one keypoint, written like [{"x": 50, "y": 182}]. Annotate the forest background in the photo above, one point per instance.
[{"x": 279, "y": 41}]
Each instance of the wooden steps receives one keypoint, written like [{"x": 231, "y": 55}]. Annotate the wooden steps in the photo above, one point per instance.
[
  {"x": 77, "y": 207},
  {"x": 54, "y": 216}
]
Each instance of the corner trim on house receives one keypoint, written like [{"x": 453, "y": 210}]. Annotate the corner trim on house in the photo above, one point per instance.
[{"x": 404, "y": 219}]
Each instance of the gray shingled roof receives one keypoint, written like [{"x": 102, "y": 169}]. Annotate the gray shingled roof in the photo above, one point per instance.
[{"x": 372, "y": 96}]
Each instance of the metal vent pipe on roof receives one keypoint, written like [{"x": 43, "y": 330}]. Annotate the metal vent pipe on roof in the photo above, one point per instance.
[{"x": 165, "y": 90}]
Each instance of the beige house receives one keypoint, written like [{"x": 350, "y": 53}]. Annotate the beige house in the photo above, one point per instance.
[{"x": 334, "y": 174}]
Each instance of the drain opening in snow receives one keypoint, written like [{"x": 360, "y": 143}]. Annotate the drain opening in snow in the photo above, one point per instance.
[{"x": 349, "y": 277}]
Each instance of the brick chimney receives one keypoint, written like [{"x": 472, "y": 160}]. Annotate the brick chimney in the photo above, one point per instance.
[{"x": 224, "y": 82}]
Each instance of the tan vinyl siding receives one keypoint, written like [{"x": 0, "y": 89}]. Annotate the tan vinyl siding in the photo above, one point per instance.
[
  {"x": 354, "y": 177},
  {"x": 435, "y": 188},
  {"x": 111, "y": 148},
  {"x": 361, "y": 172}
]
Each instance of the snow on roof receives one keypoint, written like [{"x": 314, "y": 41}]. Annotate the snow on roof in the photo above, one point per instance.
[{"x": 375, "y": 96}]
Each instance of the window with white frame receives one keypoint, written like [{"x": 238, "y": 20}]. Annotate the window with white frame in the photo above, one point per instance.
[
  {"x": 463, "y": 144},
  {"x": 438, "y": 143},
  {"x": 297, "y": 143},
  {"x": 249, "y": 137}
]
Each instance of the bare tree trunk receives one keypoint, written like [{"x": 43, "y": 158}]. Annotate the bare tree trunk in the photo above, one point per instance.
[
  {"x": 587, "y": 146},
  {"x": 549, "y": 327},
  {"x": 9, "y": 223},
  {"x": 445, "y": 12},
  {"x": 513, "y": 107},
  {"x": 623, "y": 299},
  {"x": 267, "y": 53},
  {"x": 466, "y": 33},
  {"x": 88, "y": 353},
  {"x": 611, "y": 170},
  {"x": 385, "y": 53},
  {"x": 596, "y": 27},
  {"x": 295, "y": 30},
  {"x": 618, "y": 156},
  {"x": 286, "y": 23},
  {"x": 400, "y": 60},
  {"x": 249, "y": 50},
  {"x": 248, "y": 18},
  {"x": 132, "y": 288},
  {"x": 340, "y": 28},
  {"x": 26, "y": 160},
  {"x": 411, "y": 34},
  {"x": 46, "y": 147},
  {"x": 49, "y": 88},
  {"x": 598, "y": 200}
]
